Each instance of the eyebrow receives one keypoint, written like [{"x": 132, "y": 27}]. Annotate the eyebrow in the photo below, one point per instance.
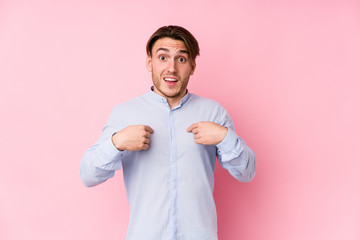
[{"x": 167, "y": 50}]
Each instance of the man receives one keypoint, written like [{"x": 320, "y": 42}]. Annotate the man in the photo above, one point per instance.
[{"x": 166, "y": 142}]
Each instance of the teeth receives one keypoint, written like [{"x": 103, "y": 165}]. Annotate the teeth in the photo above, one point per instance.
[{"x": 170, "y": 79}]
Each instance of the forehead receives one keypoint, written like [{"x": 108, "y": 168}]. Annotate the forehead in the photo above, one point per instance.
[{"x": 170, "y": 44}]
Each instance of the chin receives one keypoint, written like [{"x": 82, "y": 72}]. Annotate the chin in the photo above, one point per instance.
[{"x": 170, "y": 93}]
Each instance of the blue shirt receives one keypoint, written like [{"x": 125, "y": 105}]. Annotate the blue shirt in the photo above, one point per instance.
[{"x": 170, "y": 185}]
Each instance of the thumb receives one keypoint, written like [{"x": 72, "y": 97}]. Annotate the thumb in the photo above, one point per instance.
[{"x": 149, "y": 129}]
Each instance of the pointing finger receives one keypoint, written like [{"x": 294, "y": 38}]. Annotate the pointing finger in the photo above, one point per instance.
[{"x": 192, "y": 127}]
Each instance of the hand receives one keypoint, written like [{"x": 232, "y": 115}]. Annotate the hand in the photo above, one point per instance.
[
  {"x": 208, "y": 133},
  {"x": 133, "y": 138}
]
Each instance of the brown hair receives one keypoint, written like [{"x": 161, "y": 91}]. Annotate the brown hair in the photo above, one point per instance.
[{"x": 176, "y": 33}]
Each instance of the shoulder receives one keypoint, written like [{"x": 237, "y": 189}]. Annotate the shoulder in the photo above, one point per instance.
[
  {"x": 126, "y": 109},
  {"x": 129, "y": 104},
  {"x": 202, "y": 101},
  {"x": 207, "y": 104},
  {"x": 208, "y": 109}
]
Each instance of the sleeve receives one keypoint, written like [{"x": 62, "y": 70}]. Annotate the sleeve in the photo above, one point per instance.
[
  {"x": 233, "y": 153},
  {"x": 102, "y": 159}
]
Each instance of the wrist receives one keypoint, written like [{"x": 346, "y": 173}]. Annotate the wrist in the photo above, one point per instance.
[
  {"x": 116, "y": 142},
  {"x": 224, "y": 133}
]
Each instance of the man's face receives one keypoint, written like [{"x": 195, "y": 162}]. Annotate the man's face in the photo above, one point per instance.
[{"x": 170, "y": 67}]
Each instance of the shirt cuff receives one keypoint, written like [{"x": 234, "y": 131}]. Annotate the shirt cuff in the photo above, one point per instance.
[
  {"x": 111, "y": 151},
  {"x": 230, "y": 146}
]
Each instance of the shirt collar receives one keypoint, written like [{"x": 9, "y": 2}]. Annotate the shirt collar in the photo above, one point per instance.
[{"x": 164, "y": 100}]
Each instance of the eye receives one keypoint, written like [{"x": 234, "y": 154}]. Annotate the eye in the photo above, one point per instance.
[
  {"x": 162, "y": 58},
  {"x": 182, "y": 59}
]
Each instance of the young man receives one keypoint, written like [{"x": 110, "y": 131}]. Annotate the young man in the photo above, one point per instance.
[{"x": 167, "y": 142}]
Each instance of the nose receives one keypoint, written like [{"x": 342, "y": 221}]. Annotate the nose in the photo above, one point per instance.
[{"x": 172, "y": 66}]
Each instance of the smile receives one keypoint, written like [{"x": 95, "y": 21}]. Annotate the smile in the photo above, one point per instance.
[{"x": 170, "y": 79}]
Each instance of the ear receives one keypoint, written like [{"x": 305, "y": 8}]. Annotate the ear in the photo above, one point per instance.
[
  {"x": 149, "y": 64},
  {"x": 193, "y": 65}
]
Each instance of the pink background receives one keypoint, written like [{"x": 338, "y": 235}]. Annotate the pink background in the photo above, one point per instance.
[{"x": 288, "y": 73}]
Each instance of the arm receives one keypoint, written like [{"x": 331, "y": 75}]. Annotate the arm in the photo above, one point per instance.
[
  {"x": 235, "y": 156},
  {"x": 100, "y": 162},
  {"x": 102, "y": 159},
  {"x": 232, "y": 152}
]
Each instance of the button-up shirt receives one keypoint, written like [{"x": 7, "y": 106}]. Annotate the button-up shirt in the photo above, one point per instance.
[{"x": 170, "y": 185}]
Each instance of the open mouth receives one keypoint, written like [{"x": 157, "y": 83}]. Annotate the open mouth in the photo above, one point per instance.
[{"x": 170, "y": 79}]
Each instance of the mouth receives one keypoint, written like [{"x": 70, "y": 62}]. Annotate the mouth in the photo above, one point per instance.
[{"x": 170, "y": 81}]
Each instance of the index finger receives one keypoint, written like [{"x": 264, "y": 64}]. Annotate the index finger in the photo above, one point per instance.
[
  {"x": 149, "y": 129},
  {"x": 192, "y": 127}
]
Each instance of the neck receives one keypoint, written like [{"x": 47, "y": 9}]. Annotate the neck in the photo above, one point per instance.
[{"x": 173, "y": 102}]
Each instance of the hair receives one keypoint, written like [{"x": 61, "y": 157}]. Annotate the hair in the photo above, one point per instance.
[{"x": 176, "y": 33}]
